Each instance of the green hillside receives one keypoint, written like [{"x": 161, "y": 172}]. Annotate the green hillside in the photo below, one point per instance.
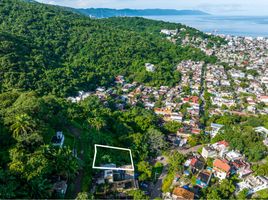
[
  {"x": 47, "y": 53},
  {"x": 66, "y": 52}
]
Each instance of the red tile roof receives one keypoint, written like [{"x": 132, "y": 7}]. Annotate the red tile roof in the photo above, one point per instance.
[
  {"x": 193, "y": 99},
  {"x": 196, "y": 131},
  {"x": 226, "y": 144},
  {"x": 182, "y": 193},
  {"x": 193, "y": 161},
  {"x": 263, "y": 97},
  {"x": 221, "y": 165},
  {"x": 186, "y": 99},
  {"x": 239, "y": 164}
]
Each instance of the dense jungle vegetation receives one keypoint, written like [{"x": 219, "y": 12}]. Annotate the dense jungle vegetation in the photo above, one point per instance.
[
  {"x": 48, "y": 53},
  {"x": 53, "y": 50}
]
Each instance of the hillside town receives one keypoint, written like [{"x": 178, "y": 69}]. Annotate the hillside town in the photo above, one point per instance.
[
  {"x": 135, "y": 100},
  {"x": 236, "y": 84}
]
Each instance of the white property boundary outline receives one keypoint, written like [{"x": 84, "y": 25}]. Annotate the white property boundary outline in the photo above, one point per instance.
[{"x": 112, "y": 168}]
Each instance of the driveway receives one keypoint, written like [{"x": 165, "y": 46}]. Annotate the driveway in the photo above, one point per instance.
[
  {"x": 155, "y": 190},
  {"x": 190, "y": 150}
]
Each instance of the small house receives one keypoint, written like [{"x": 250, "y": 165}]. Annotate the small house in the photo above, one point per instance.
[
  {"x": 233, "y": 155},
  {"x": 242, "y": 168},
  {"x": 204, "y": 177},
  {"x": 58, "y": 139},
  {"x": 120, "y": 79},
  {"x": 149, "y": 67},
  {"x": 221, "y": 169},
  {"x": 215, "y": 128},
  {"x": 208, "y": 152},
  {"x": 196, "y": 165}
]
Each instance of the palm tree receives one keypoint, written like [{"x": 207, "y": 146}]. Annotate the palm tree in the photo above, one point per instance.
[
  {"x": 23, "y": 125},
  {"x": 63, "y": 161},
  {"x": 69, "y": 165},
  {"x": 39, "y": 188},
  {"x": 97, "y": 122}
]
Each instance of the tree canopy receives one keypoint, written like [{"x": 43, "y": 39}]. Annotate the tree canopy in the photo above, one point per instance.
[{"x": 54, "y": 50}]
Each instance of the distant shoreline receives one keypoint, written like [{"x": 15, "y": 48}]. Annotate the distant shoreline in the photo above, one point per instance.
[
  {"x": 107, "y": 12},
  {"x": 244, "y": 26}
]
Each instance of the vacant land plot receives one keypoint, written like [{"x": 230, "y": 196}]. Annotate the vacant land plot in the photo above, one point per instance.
[{"x": 108, "y": 157}]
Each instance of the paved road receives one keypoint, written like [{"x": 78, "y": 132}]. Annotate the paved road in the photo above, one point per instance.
[{"x": 156, "y": 188}]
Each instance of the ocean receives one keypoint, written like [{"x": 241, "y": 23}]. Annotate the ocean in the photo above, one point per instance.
[{"x": 252, "y": 26}]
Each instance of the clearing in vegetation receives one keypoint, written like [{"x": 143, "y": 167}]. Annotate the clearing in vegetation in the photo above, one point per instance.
[{"x": 114, "y": 158}]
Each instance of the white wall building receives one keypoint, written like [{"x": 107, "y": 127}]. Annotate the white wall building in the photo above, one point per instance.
[
  {"x": 253, "y": 184},
  {"x": 149, "y": 67}
]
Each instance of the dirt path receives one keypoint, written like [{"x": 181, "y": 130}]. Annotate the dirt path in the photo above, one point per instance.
[
  {"x": 156, "y": 188},
  {"x": 79, "y": 177}
]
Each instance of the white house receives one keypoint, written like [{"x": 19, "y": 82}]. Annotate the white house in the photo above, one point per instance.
[
  {"x": 233, "y": 155},
  {"x": 261, "y": 129},
  {"x": 221, "y": 147},
  {"x": 237, "y": 74},
  {"x": 149, "y": 67},
  {"x": 176, "y": 117},
  {"x": 208, "y": 152},
  {"x": 58, "y": 139},
  {"x": 253, "y": 184},
  {"x": 169, "y": 32},
  {"x": 215, "y": 129},
  {"x": 221, "y": 169},
  {"x": 264, "y": 99}
]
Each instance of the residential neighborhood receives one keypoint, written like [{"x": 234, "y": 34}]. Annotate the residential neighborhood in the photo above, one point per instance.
[
  {"x": 141, "y": 100},
  {"x": 215, "y": 89}
]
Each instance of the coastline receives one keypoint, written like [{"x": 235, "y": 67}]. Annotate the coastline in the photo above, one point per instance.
[{"x": 244, "y": 26}]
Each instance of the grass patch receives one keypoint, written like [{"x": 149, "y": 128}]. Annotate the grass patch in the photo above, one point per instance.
[
  {"x": 157, "y": 170},
  {"x": 167, "y": 182},
  {"x": 112, "y": 156}
]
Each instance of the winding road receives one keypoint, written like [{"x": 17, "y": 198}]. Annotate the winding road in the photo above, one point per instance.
[{"x": 155, "y": 190}]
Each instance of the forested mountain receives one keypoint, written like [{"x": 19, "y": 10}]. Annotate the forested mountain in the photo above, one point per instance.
[
  {"x": 63, "y": 52},
  {"x": 106, "y": 12},
  {"x": 47, "y": 53}
]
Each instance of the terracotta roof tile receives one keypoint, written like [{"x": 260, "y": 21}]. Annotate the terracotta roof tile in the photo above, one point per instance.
[
  {"x": 182, "y": 193},
  {"x": 221, "y": 165},
  {"x": 193, "y": 161},
  {"x": 226, "y": 144}
]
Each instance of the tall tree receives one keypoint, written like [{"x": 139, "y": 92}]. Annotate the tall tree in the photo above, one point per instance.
[
  {"x": 22, "y": 125},
  {"x": 175, "y": 160},
  {"x": 156, "y": 140},
  {"x": 145, "y": 169},
  {"x": 97, "y": 122},
  {"x": 62, "y": 161}
]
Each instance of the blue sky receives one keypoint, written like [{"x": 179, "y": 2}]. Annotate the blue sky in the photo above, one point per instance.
[{"x": 222, "y": 7}]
